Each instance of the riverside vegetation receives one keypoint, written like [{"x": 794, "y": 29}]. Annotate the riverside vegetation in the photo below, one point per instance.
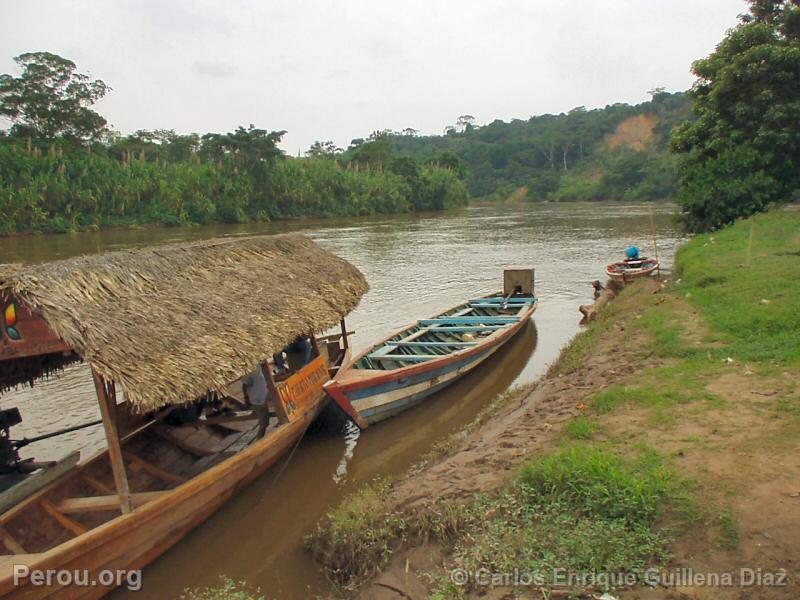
[
  {"x": 57, "y": 188},
  {"x": 63, "y": 169},
  {"x": 655, "y": 470}
]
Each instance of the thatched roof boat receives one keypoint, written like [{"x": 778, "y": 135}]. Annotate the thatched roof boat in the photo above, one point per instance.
[
  {"x": 168, "y": 326},
  {"x": 169, "y": 323}
]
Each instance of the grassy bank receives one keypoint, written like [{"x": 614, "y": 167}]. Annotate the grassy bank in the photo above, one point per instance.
[{"x": 682, "y": 438}]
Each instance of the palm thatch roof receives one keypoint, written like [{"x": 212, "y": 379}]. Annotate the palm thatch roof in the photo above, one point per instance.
[{"x": 170, "y": 323}]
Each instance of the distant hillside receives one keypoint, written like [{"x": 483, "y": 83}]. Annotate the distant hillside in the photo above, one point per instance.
[{"x": 617, "y": 152}]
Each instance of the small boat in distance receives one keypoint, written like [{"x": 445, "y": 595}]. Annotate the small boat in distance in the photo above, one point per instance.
[
  {"x": 625, "y": 271},
  {"x": 425, "y": 357}
]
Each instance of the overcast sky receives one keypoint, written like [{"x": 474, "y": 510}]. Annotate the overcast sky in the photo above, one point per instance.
[{"x": 339, "y": 69}]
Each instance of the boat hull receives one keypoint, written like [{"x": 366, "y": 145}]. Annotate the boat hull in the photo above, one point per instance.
[
  {"x": 397, "y": 395},
  {"x": 379, "y": 395},
  {"x": 620, "y": 272}
]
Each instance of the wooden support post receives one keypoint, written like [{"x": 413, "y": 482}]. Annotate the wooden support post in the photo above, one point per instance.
[
  {"x": 153, "y": 470},
  {"x": 345, "y": 340},
  {"x": 98, "y": 485},
  {"x": 274, "y": 395},
  {"x": 67, "y": 523},
  {"x": 655, "y": 244},
  {"x": 11, "y": 542},
  {"x": 108, "y": 412}
]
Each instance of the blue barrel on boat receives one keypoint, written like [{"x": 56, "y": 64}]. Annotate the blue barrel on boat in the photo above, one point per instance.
[{"x": 632, "y": 253}]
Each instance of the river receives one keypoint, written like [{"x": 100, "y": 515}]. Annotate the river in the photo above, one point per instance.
[{"x": 416, "y": 265}]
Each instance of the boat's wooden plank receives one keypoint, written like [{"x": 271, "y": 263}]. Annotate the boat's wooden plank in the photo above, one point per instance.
[
  {"x": 232, "y": 444},
  {"x": 381, "y": 351},
  {"x": 64, "y": 520},
  {"x": 32, "y": 484},
  {"x": 229, "y": 418},
  {"x": 469, "y": 320},
  {"x": 10, "y": 542},
  {"x": 175, "y": 440},
  {"x": 152, "y": 469},
  {"x": 98, "y": 485},
  {"x": 157, "y": 451},
  {"x": 244, "y": 440},
  {"x": 97, "y": 503},
  {"x": 433, "y": 344}
]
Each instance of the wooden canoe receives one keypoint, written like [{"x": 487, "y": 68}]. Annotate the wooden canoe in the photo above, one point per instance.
[
  {"x": 178, "y": 476},
  {"x": 623, "y": 271},
  {"x": 425, "y": 357}
]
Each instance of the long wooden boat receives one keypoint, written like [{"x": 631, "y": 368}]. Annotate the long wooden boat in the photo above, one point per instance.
[
  {"x": 93, "y": 525},
  {"x": 624, "y": 271},
  {"x": 423, "y": 358}
]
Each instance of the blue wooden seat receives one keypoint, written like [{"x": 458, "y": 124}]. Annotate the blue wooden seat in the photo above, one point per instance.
[
  {"x": 469, "y": 320},
  {"x": 501, "y": 300},
  {"x": 432, "y": 344},
  {"x": 406, "y": 357},
  {"x": 498, "y": 305},
  {"x": 465, "y": 329}
]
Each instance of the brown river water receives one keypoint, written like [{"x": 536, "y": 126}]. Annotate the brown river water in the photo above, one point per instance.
[{"x": 416, "y": 265}]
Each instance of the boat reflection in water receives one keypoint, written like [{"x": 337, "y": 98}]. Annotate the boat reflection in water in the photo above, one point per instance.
[{"x": 266, "y": 522}]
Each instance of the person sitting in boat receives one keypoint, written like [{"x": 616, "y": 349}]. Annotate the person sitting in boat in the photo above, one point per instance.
[
  {"x": 301, "y": 344},
  {"x": 187, "y": 413},
  {"x": 254, "y": 387},
  {"x": 632, "y": 258}
]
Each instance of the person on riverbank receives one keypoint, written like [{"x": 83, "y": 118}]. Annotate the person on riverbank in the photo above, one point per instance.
[{"x": 256, "y": 393}]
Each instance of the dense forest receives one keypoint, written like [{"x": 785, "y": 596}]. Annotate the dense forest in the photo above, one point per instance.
[
  {"x": 618, "y": 152},
  {"x": 63, "y": 169}
]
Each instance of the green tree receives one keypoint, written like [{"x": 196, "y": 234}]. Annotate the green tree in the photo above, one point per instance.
[
  {"x": 50, "y": 99},
  {"x": 465, "y": 123},
  {"x": 740, "y": 155},
  {"x": 323, "y": 150},
  {"x": 249, "y": 146},
  {"x": 375, "y": 151}
]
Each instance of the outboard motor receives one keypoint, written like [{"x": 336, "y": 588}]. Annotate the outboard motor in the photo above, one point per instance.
[{"x": 9, "y": 457}]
